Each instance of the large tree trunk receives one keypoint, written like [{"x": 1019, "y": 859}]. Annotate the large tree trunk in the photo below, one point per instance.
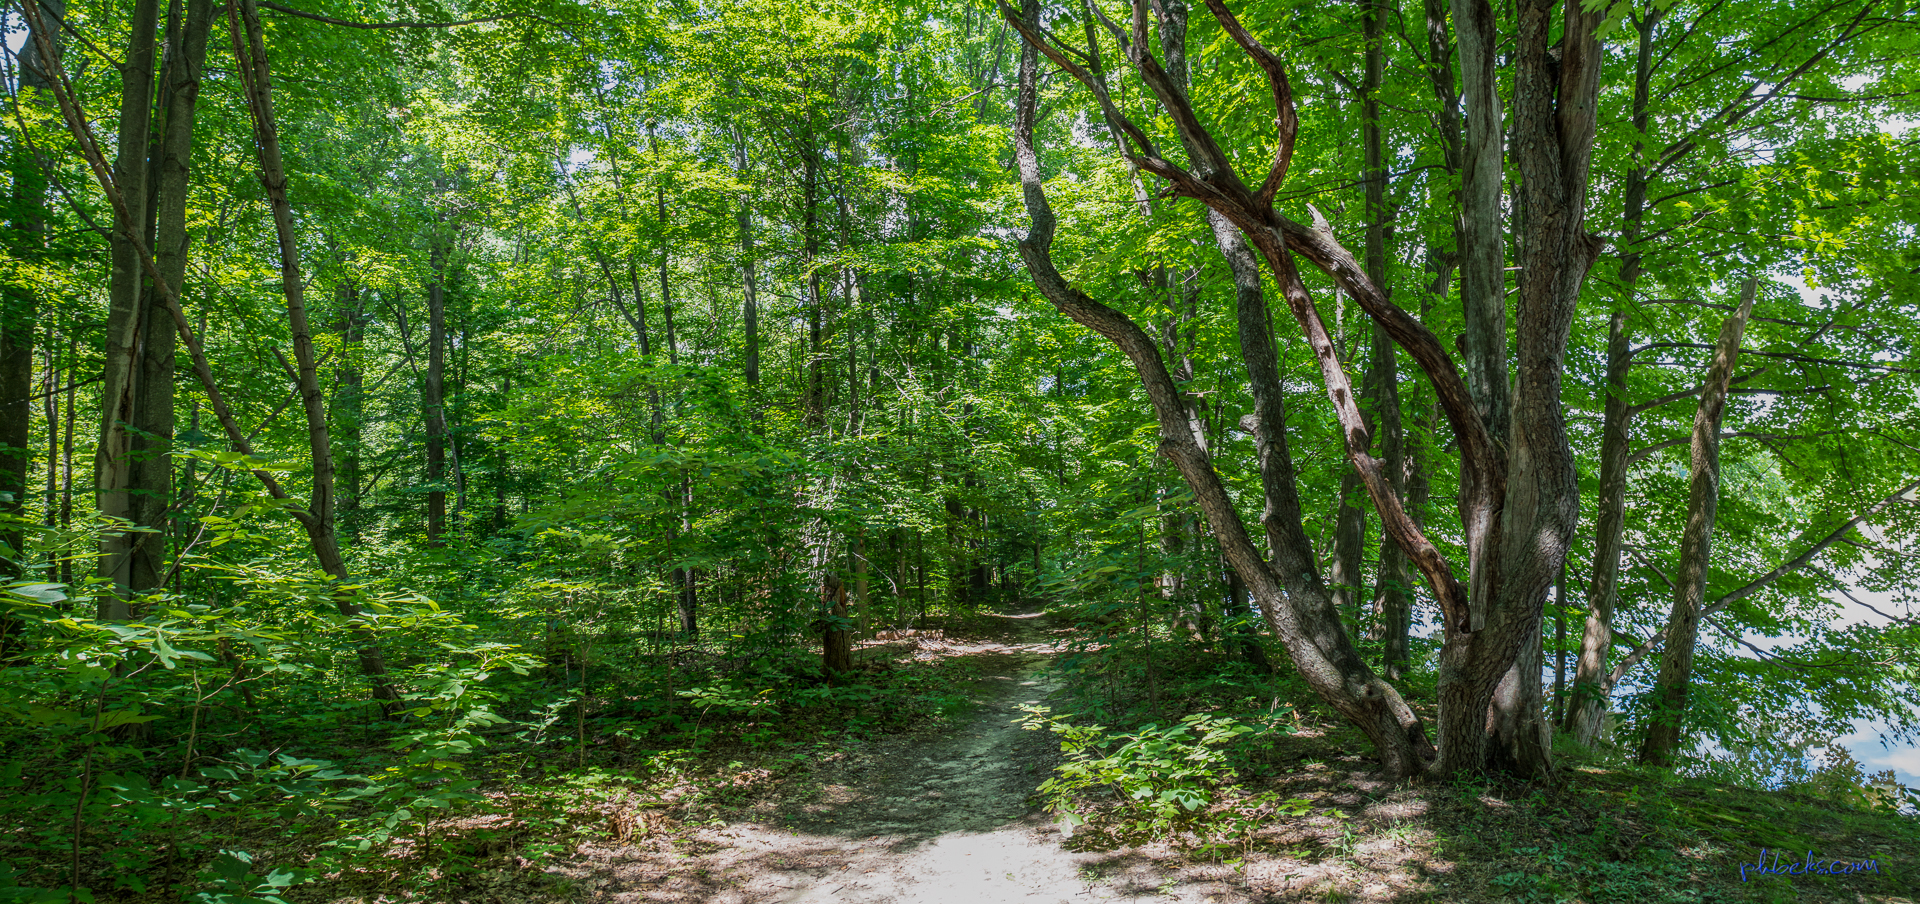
[
  {"x": 150, "y": 460},
  {"x": 1519, "y": 499},
  {"x": 1293, "y": 599},
  {"x": 119, "y": 394},
  {"x": 1555, "y": 104},
  {"x": 1591, "y": 689},
  {"x": 1696, "y": 545},
  {"x": 835, "y": 641}
]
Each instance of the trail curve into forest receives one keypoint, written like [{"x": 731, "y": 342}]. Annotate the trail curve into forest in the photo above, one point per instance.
[{"x": 930, "y": 820}]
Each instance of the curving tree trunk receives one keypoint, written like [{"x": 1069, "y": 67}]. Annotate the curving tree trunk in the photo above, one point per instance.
[
  {"x": 1297, "y": 606},
  {"x": 318, "y": 518},
  {"x": 1519, "y": 500}
]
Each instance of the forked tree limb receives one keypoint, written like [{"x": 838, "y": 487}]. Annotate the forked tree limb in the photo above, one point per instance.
[
  {"x": 1323, "y": 653},
  {"x": 1286, "y": 118},
  {"x": 1224, "y": 191},
  {"x": 1278, "y": 239}
]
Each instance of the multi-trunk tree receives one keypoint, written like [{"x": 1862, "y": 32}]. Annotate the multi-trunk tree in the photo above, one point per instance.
[{"x": 1521, "y": 132}]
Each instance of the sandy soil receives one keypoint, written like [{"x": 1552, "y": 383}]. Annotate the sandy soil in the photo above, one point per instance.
[{"x": 920, "y": 821}]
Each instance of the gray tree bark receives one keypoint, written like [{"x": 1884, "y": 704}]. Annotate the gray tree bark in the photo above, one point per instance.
[
  {"x": 1696, "y": 545},
  {"x": 1519, "y": 500},
  {"x": 1591, "y": 690},
  {"x": 150, "y": 464},
  {"x": 1312, "y": 632},
  {"x": 119, "y": 394}
]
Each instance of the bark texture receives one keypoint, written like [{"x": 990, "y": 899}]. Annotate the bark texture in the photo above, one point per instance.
[
  {"x": 119, "y": 394},
  {"x": 1519, "y": 497},
  {"x": 1313, "y": 635},
  {"x": 1591, "y": 691},
  {"x": 150, "y": 463},
  {"x": 1696, "y": 545}
]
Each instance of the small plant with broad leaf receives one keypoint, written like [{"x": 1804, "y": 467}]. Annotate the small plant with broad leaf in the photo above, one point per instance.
[{"x": 1161, "y": 775}]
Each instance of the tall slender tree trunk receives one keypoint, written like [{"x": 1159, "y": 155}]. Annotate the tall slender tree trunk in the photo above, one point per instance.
[
  {"x": 863, "y": 604},
  {"x": 814, "y": 406},
  {"x": 685, "y": 580},
  {"x": 502, "y": 470},
  {"x": 1397, "y": 615},
  {"x": 1696, "y": 545},
  {"x": 749, "y": 290},
  {"x": 1591, "y": 689},
  {"x": 318, "y": 519},
  {"x": 349, "y": 404},
  {"x": 1392, "y": 588},
  {"x": 1239, "y": 634},
  {"x": 50, "y": 407},
  {"x": 433, "y": 401},
  {"x": 18, "y": 322},
  {"x": 66, "y": 456},
  {"x": 1345, "y": 568}
]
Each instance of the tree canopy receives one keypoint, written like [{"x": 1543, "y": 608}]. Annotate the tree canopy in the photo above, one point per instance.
[{"x": 1497, "y": 372}]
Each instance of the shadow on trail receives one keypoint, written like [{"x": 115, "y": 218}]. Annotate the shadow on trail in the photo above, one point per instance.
[{"x": 940, "y": 820}]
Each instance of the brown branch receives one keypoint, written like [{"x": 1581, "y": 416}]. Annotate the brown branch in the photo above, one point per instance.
[
  {"x": 1286, "y": 119},
  {"x": 1642, "y": 455},
  {"x": 1322, "y": 652},
  {"x": 1215, "y": 184},
  {"x": 1143, "y": 145}
]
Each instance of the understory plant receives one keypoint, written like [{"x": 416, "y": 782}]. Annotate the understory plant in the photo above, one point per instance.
[{"x": 1161, "y": 776}]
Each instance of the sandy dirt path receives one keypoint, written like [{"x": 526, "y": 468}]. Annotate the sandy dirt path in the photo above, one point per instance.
[{"x": 926, "y": 821}]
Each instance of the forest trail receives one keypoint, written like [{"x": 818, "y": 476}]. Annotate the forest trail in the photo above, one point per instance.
[{"x": 929, "y": 820}]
